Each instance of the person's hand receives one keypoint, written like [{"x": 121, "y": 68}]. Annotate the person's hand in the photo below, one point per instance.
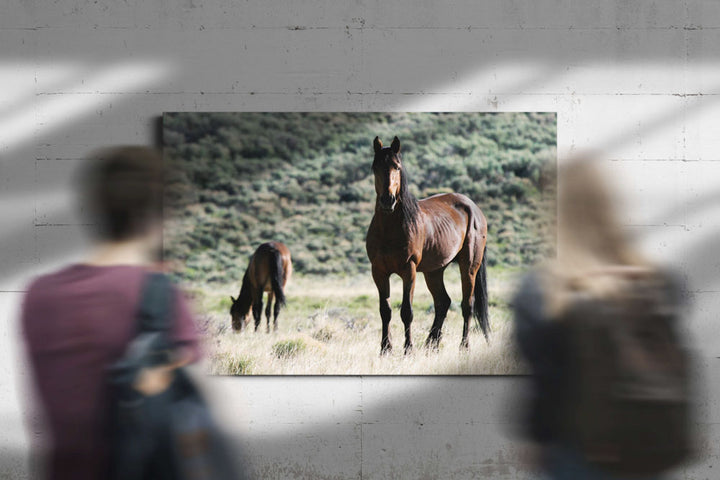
[{"x": 154, "y": 380}]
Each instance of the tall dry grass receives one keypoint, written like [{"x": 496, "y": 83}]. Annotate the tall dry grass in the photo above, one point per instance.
[{"x": 331, "y": 326}]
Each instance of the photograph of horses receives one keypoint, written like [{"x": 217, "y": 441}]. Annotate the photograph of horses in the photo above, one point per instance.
[{"x": 356, "y": 234}]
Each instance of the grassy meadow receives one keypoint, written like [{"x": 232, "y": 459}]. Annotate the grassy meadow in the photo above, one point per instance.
[
  {"x": 332, "y": 326},
  {"x": 236, "y": 180}
]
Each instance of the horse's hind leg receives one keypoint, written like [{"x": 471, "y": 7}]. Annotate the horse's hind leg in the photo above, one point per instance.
[
  {"x": 276, "y": 312},
  {"x": 468, "y": 271},
  {"x": 257, "y": 308},
  {"x": 268, "y": 310},
  {"x": 441, "y": 302}
]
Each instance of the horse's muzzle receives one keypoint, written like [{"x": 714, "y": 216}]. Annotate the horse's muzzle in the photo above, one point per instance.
[{"x": 388, "y": 202}]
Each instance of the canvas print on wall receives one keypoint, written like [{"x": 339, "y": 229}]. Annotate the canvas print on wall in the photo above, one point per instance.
[{"x": 358, "y": 243}]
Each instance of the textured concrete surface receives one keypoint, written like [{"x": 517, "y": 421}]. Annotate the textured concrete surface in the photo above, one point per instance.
[{"x": 637, "y": 80}]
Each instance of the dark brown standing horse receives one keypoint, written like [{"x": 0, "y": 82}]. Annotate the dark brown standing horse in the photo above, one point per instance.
[
  {"x": 269, "y": 270},
  {"x": 408, "y": 236}
]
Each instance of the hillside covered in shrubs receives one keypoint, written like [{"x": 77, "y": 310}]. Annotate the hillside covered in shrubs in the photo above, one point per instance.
[{"x": 236, "y": 180}]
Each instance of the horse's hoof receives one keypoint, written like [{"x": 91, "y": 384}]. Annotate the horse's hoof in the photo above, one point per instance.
[
  {"x": 408, "y": 349},
  {"x": 386, "y": 350},
  {"x": 432, "y": 344},
  {"x": 464, "y": 345}
]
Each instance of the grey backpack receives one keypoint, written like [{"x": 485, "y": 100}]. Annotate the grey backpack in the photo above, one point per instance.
[
  {"x": 628, "y": 406},
  {"x": 172, "y": 435}
]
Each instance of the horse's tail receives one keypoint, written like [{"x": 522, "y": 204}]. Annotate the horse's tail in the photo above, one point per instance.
[
  {"x": 277, "y": 276},
  {"x": 480, "y": 308}
]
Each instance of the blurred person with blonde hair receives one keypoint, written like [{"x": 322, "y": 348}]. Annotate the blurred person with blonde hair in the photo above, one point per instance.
[
  {"x": 597, "y": 328},
  {"x": 80, "y": 319}
]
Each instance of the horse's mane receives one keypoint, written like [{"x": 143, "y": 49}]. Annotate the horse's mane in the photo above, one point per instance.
[
  {"x": 244, "y": 300},
  {"x": 408, "y": 203}
]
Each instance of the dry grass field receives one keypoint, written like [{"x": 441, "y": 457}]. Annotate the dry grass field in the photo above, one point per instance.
[{"x": 331, "y": 326}]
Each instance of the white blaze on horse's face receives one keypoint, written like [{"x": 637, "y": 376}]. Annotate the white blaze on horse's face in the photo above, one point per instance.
[
  {"x": 388, "y": 174},
  {"x": 387, "y": 186}
]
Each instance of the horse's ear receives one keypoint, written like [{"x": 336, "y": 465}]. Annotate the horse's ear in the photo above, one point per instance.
[
  {"x": 377, "y": 144},
  {"x": 231, "y": 298},
  {"x": 395, "y": 145}
]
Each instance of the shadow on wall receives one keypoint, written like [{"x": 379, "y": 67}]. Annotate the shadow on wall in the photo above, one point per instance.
[
  {"x": 537, "y": 59},
  {"x": 436, "y": 427},
  {"x": 427, "y": 423},
  {"x": 396, "y": 427}
]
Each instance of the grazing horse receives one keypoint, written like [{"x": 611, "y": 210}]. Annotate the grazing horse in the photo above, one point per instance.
[
  {"x": 408, "y": 236},
  {"x": 269, "y": 270}
]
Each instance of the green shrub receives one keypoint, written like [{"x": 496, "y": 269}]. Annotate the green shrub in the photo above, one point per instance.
[
  {"x": 241, "y": 366},
  {"x": 289, "y": 348},
  {"x": 234, "y": 365},
  {"x": 324, "y": 334},
  {"x": 305, "y": 179}
]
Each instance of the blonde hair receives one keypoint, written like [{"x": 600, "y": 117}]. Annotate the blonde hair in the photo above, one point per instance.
[{"x": 595, "y": 257}]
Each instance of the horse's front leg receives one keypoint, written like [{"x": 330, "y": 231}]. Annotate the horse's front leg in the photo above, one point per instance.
[
  {"x": 406, "y": 312},
  {"x": 257, "y": 308},
  {"x": 382, "y": 282}
]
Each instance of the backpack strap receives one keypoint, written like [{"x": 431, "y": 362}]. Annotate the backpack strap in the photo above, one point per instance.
[
  {"x": 152, "y": 340},
  {"x": 156, "y": 302}
]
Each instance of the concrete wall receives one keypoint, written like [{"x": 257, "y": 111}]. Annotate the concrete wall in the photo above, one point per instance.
[{"x": 638, "y": 80}]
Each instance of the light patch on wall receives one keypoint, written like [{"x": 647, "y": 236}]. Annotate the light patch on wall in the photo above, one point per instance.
[
  {"x": 21, "y": 82},
  {"x": 54, "y": 108},
  {"x": 480, "y": 87},
  {"x": 654, "y": 111}
]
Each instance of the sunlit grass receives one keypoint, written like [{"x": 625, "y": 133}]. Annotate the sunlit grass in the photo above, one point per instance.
[{"x": 332, "y": 326}]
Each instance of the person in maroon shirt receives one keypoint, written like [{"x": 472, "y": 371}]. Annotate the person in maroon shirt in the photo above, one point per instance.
[{"x": 78, "y": 321}]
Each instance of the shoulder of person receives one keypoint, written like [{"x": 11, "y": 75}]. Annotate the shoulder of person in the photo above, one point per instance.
[
  {"x": 529, "y": 294},
  {"x": 531, "y": 281},
  {"x": 673, "y": 285},
  {"x": 43, "y": 283}
]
